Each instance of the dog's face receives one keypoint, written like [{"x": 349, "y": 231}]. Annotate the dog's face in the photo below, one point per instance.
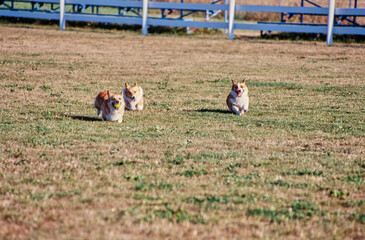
[
  {"x": 132, "y": 92},
  {"x": 239, "y": 88},
  {"x": 115, "y": 101}
]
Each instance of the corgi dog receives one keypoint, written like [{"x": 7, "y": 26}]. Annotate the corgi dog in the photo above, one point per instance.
[
  {"x": 110, "y": 106},
  {"x": 133, "y": 97},
  {"x": 237, "y": 99}
]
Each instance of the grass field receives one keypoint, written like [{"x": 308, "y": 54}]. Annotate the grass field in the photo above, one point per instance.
[{"x": 184, "y": 167}]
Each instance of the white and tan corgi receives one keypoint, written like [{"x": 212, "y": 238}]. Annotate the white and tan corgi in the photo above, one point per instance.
[
  {"x": 133, "y": 97},
  {"x": 110, "y": 106},
  {"x": 237, "y": 99}
]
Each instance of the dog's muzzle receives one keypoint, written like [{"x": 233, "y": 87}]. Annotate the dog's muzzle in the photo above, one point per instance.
[{"x": 239, "y": 92}]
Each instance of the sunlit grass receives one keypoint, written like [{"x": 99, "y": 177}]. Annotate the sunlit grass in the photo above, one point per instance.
[{"x": 292, "y": 167}]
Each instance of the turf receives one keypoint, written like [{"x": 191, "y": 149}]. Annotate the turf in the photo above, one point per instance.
[{"x": 184, "y": 167}]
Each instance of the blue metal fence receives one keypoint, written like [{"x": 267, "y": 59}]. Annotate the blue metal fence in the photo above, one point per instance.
[{"x": 37, "y": 11}]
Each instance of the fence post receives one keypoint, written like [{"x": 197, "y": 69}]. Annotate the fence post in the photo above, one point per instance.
[
  {"x": 232, "y": 7},
  {"x": 62, "y": 15},
  {"x": 225, "y": 16},
  {"x": 144, "y": 17},
  {"x": 330, "y": 20}
]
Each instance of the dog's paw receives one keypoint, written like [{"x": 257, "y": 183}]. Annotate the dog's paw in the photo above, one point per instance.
[{"x": 238, "y": 113}]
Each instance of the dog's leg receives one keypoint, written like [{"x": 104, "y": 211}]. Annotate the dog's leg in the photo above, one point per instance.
[
  {"x": 245, "y": 106},
  {"x": 98, "y": 112},
  {"x": 130, "y": 107},
  {"x": 120, "y": 120},
  {"x": 236, "y": 110},
  {"x": 139, "y": 105},
  {"x": 233, "y": 107}
]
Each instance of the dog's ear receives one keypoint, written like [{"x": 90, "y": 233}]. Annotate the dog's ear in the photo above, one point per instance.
[
  {"x": 126, "y": 85},
  {"x": 244, "y": 80},
  {"x": 135, "y": 84},
  {"x": 233, "y": 82},
  {"x": 108, "y": 94}
]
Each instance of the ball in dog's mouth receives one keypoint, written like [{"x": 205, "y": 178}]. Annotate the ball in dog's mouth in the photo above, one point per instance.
[{"x": 116, "y": 105}]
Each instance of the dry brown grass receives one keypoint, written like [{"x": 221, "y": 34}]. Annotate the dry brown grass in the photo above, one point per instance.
[{"x": 183, "y": 168}]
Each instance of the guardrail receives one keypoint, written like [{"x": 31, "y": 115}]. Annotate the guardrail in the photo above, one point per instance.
[{"x": 144, "y": 20}]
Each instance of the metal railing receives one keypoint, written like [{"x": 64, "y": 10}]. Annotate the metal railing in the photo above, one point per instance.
[{"x": 59, "y": 13}]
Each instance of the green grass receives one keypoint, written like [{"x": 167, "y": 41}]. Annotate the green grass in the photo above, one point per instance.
[{"x": 184, "y": 167}]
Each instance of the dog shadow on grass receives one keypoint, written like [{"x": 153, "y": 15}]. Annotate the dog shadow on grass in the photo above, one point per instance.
[
  {"x": 85, "y": 118},
  {"x": 203, "y": 110}
]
